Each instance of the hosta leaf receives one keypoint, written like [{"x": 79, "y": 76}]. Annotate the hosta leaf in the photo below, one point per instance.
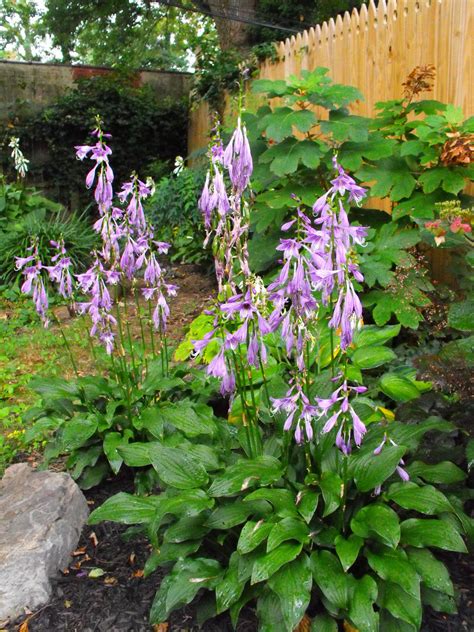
[
  {"x": 230, "y": 588},
  {"x": 183, "y": 416},
  {"x": 372, "y": 335},
  {"x": 306, "y": 503},
  {"x": 126, "y": 508},
  {"x": 370, "y": 470},
  {"x": 269, "y": 612},
  {"x": 444, "y": 473},
  {"x": 228, "y": 516},
  {"x": 377, "y": 521},
  {"x": 331, "y": 579},
  {"x": 393, "y": 566},
  {"x": 292, "y": 584},
  {"x": 399, "y": 388},
  {"x": 283, "y": 500},
  {"x": 361, "y": 612},
  {"x": 177, "y": 467},
  {"x": 426, "y": 499},
  {"x": 332, "y": 488},
  {"x": 287, "y": 529},
  {"x": 267, "y": 564},
  {"x": 169, "y": 552},
  {"x": 77, "y": 431},
  {"x": 439, "y": 601},
  {"x": 136, "y": 454},
  {"x": 186, "y": 528},
  {"x": 348, "y": 549},
  {"x": 433, "y": 573},
  {"x": 252, "y": 534},
  {"x": 244, "y": 474},
  {"x": 112, "y": 441},
  {"x": 371, "y": 357},
  {"x": 323, "y": 623},
  {"x": 438, "y": 533},
  {"x": 400, "y": 604}
]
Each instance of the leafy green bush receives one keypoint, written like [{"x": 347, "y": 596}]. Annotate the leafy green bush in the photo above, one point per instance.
[
  {"x": 76, "y": 230},
  {"x": 17, "y": 202},
  {"x": 143, "y": 129}
]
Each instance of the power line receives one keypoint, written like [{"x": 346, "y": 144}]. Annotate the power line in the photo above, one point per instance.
[{"x": 230, "y": 17}]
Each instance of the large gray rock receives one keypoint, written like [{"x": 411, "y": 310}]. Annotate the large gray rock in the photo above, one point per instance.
[{"x": 41, "y": 518}]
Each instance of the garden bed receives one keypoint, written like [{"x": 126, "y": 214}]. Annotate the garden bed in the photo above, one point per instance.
[{"x": 120, "y": 599}]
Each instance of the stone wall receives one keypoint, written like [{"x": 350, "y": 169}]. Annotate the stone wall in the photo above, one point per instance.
[{"x": 36, "y": 85}]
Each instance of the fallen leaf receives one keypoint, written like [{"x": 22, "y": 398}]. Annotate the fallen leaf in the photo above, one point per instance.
[
  {"x": 93, "y": 538},
  {"x": 160, "y": 627},
  {"x": 96, "y": 572},
  {"x": 24, "y": 626},
  {"x": 111, "y": 581},
  {"x": 80, "y": 551},
  {"x": 67, "y": 603},
  {"x": 349, "y": 628},
  {"x": 304, "y": 625},
  {"x": 137, "y": 573},
  {"x": 132, "y": 558}
]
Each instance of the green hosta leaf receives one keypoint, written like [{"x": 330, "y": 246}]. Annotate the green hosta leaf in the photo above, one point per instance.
[
  {"x": 306, "y": 503},
  {"x": 53, "y": 387},
  {"x": 112, "y": 441},
  {"x": 93, "y": 475},
  {"x": 377, "y": 521},
  {"x": 253, "y": 534},
  {"x": 152, "y": 421},
  {"x": 182, "y": 416},
  {"x": 267, "y": 564},
  {"x": 393, "y": 566},
  {"x": 439, "y": 601},
  {"x": 392, "y": 177},
  {"x": 470, "y": 454},
  {"x": 280, "y": 123},
  {"x": 126, "y": 508},
  {"x": 361, "y": 612},
  {"x": 399, "y": 388},
  {"x": 410, "y": 434},
  {"x": 206, "y": 455},
  {"x": 269, "y": 613},
  {"x": 444, "y": 473},
  {"x": 388, "y": 623},
  {"x": 438, "y": 533},
  {"x": 323, "y": 623},
  {"x": 400, "y": 604},
  {"x": 246, "y": 473},
  {"x": 77, "y": 431},
  {"x": 433, "y": 573},
  {"x": 136, "y": 454},
  {"x": 370, "y": 470},
  {"x": 283, "y": 500},
  {"x": 169, "y": 553},
  {"x": 371, "y": 357},
  {"x": 230, "y": 588},
  {"x": 348, "y": 550},
  {"x": 287, "y": 529},
  {"x": 332, "y": 488},
  {"x": 372, "y": 335},
  {"x": 331, "y": 579},
  {"x": 228, "y": 516},
  {"x": 426, "y": 499},
  {"x": 292, "y": 584},
  {"x": 182, "y": 584},
  {"x": 449, "y": 180},
  {"x": 285, "y": 157},
  {"x": 177, "y": 467},
  {"x": 186, "y": 528},
  {"x": 460, "y": 315}
]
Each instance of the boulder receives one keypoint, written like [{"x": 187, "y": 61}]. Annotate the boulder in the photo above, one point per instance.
[{"x": 41, "y": 517}]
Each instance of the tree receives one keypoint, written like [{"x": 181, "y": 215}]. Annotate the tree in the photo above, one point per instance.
[{"x": 20, "y": 30}]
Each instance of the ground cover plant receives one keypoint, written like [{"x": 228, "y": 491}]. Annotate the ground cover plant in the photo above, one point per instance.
[{"x": 295, "y": 487}]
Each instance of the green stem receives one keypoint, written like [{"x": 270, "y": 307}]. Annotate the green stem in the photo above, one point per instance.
[
  {"x": 152, "y": 331},
  {"x": 142, "y": 329},
  {"x": 71, "y": 357}
]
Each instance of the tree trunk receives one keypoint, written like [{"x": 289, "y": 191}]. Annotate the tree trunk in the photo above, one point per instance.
[{"x": 233, "y": 34}]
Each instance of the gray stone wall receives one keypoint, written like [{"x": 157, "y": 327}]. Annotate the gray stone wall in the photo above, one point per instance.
[{"x": 35, "y": 85}]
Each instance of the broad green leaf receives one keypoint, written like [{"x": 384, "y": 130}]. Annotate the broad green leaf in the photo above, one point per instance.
[
  {"x": 93, "y": 475},
  {"x": 269, "y": 612},
  {"x": 426, "y": 499},
  {"x": 330, "y": 577},
  {"x": 470, "y": 454},
  {"x": 372, "y": 335},
  {"x": 332, "y": 488},
  {"x": 136, "y": 454},
  {"x": 393, "y": 566},
  {"x": 283, "y": 500},
  {"x": 348, "y": 549},
  {"x": 292, "y": 584},
  {"x": 377, "y": 521},
  {"x": 439, "y": 601},
  {"x": 444, "y": 472},
  {"x": 461, "y": 315},
  {"x": 398, "y": 387},
  {"x": 344, "y": 127},
  {"x": 280, "y": 123},
  {"x": 53, "y": 387},
  {"x": 306, "y": 503},
  {"x": 438, "y": 533},
  {"x": 400, "y": 604},
  {"x": 323, "y": 623},
  {"x": 244, "y": 474},
  {"x": 370, "y": 470},
  {"x": 361, "y": 612},
  {"x": 77, "y": 431},
  {"x": 169, "y": 552},
  {"x": 112, "y": 441},
  {"x": 177, "y": 467},
  {"x": 433, "y": 573},
  {"x": 371, "y": 357},
  {"x": 186, "y": 528},
  {"x": 126, "y": 508},
  {"x": 267, "y": 564},
  {"x": 275, "y": 87},
  {"x": 183, "y": 416},
  {"x": 285, "y": 157},
  {"x": 389, "y": 623},
  {"x": 449, "y": 180},
  {"x": 351, "y": 154},
  {"x": 252, "y": 534},
  {"x": 287, "y": 529},
  {"x": 230, "y": 515},
  {"x": 230, "y": 588},
  {"x": 392, "y": 177}
]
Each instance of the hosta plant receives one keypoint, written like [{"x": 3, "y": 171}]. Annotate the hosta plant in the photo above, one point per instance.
[{"x": 310, "y": 496}]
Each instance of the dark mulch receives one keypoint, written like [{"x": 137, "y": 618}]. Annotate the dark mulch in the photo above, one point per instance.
[{"x": 120, "y": 600}]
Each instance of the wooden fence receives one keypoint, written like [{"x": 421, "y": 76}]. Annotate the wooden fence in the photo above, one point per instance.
[{"x": 374, "y": 49}]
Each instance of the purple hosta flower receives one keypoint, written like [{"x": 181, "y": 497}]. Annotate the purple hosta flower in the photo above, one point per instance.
[
  {"x": 238, "y": 158},
  {"x": 343, "y": 415},
  {"x": 102, "y": 172},
  {"x": 137, "y": 191},
  {"x": 60, "y": 273},
  {"x": 157, "y": 288},
  {"x": 300, "y": 412},
  {"x": 403, "y": 474},
  {"x": 219, "y": 368},
  {"x": 33, "y": 283},
  {"x": 343, "y": 183}
]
